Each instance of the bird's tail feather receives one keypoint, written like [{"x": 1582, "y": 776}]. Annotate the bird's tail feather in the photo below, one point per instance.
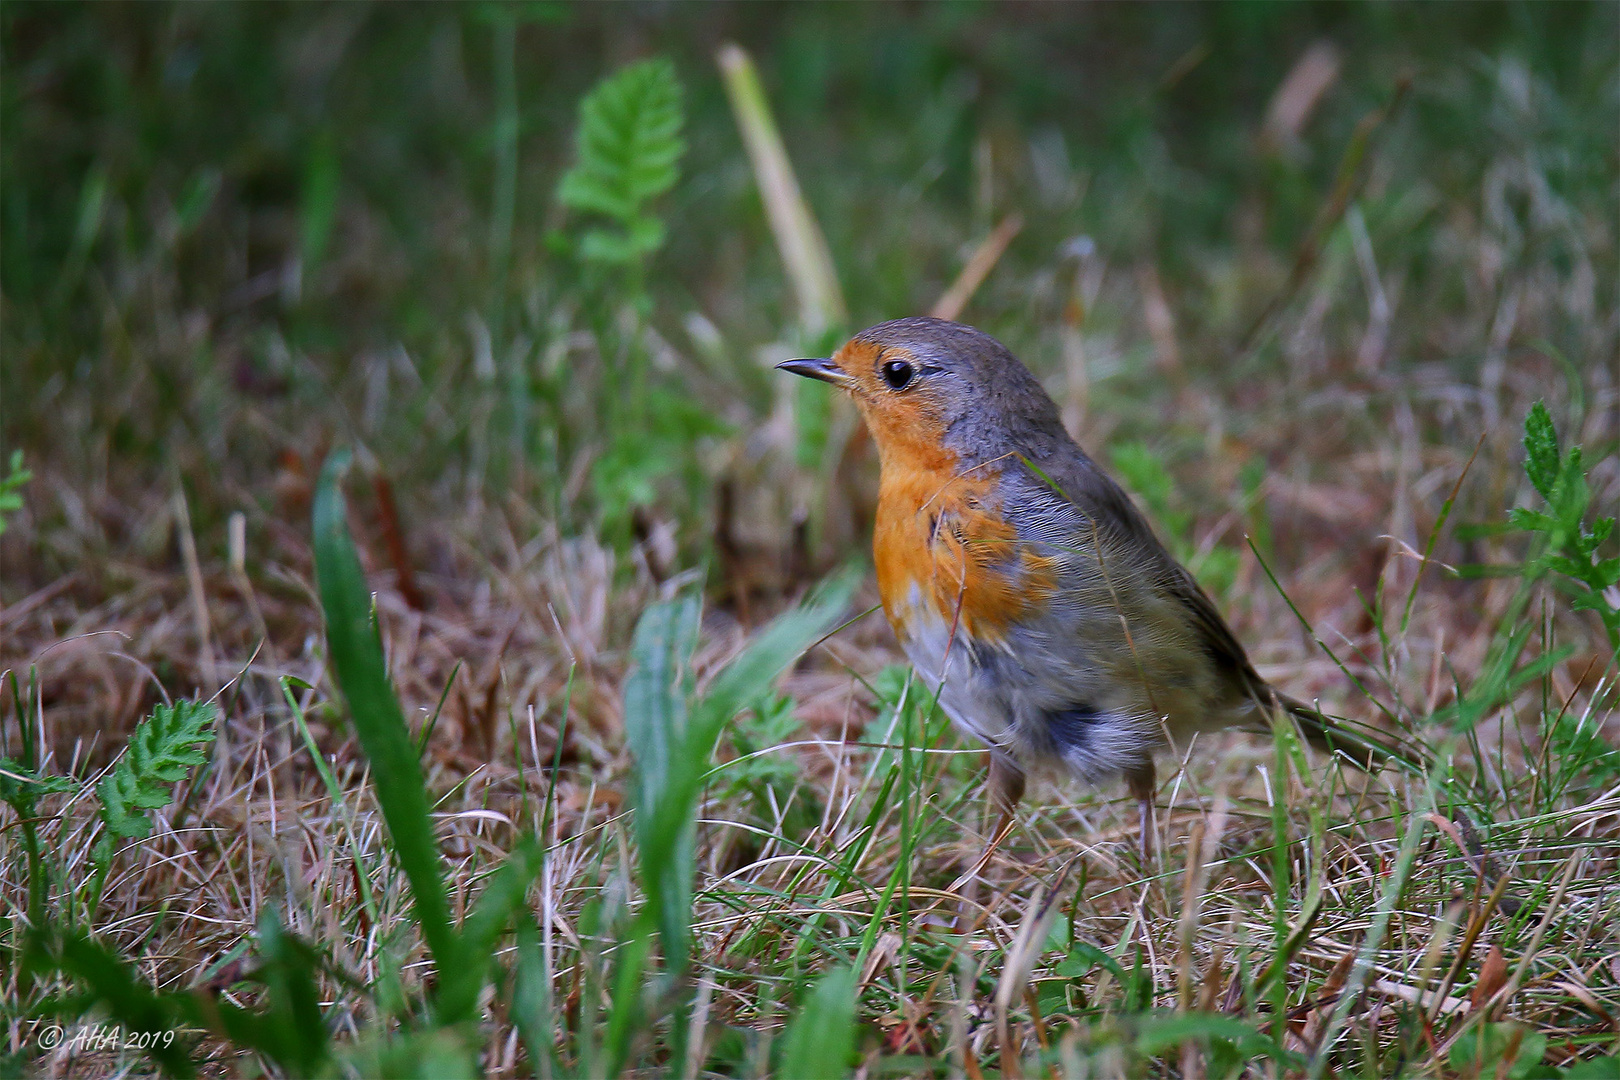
[{"x": 1363, "y": 745}]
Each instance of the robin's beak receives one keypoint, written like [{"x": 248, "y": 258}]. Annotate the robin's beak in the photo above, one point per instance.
[{"x": 825, "y": 370}]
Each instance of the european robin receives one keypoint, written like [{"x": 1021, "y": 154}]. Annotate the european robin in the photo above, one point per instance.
[{"x": 1025, "y": 586}]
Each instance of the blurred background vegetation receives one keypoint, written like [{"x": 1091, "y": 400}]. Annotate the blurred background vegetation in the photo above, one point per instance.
[{"x": 235, "y": 234}]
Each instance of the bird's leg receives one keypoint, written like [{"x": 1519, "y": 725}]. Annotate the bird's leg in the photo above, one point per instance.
[
  {"x": 1006, "y": 784},
  {"x": 1005, "y": 788},
  {"x": 1143, "y": 784}
]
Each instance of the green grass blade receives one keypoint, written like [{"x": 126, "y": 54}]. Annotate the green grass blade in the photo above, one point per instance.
[
  {"x": 743, "y": 680},
  {"x": 335, "y": 792},
  {"x": 503, "y": 897},
  {"x": 319, "y": 202},
  {"x": 530, "y": 1005},
  {"x": 300, "y": 1040},
  {"x": 357, "y": 659},
  {"x": 655, "y": 728},
  {"x": 625, "y": 1012},
  {"x": 673, "y": 746},
  {"x": 1389, "y": 898},
  {"x": 819, "y": 1042},
  {"x": 845, "y": 872}
]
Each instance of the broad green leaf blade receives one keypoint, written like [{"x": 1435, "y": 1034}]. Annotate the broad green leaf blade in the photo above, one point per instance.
[
  {"x": 625, "y": 1012},
  {"x": 379, "y": 724},
  {"x": 655, "y": 725},
  {"x": 1083, "y": 956},
  {"x": 530, "y": 1006},
  {"x": 654, "y": 694},
  {"x": 743, "y": 680},
  {"x": 503, "y": 897},
  {"x": 1506, "y": 1049},
  {"x": 821, "y": 1037},
  {"x": 1162, "y": 1031},
  {"x": 300, "y": 1040},
  {"x": 443, "y": 1053}
]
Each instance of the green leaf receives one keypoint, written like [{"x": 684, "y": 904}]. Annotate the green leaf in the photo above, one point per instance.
[
  {"x": 292, "y": 1029},
  {"x": 1083, "y": 956},
  {"x": 743, "y": 680},
  {"x": 655, "y": 717},
  {"x": 21, "y": 787},
  {"x": 195, "y": 200},
  {"x": 379, "y": 724},
  {"x": 1569, "y": 502},
  {"x": 1541, "y": 450},
  {"x": 819, "y": 1042},
  {"x": 1143, "y": 471},
  {"x": 500, "y": 902},
  {"x": 1162, "y": 1031},
  {"x": 1606, "y": 573},
  {"x": 628, "y": 148},
  {"x": 1581, "y": 748},
  {"x": 628, "y": 144},
  {"x": 769, "y": 722},
  {"x": 530, "y": 1005},
  {"x": 442, "y": 1053},
  {"x": 812, "y": 420},
  {"x": 10, "y": 485},
  {"x": 1531, "y": 520},
  {"x": 663, "y": 833},
  {"x": 319, "y": 201},
  {"x": 626, "y": 474},
  {"x": 1483, "y": 1051},
  {"x": 616, "y": 248},
  {"x": 163, "y": 750},
  {"x": 1568, "y": 567},
  {"x": 1594, "y": 601}
]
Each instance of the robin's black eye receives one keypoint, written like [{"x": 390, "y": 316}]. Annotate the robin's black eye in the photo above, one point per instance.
[{"x": 897, "y": 373}]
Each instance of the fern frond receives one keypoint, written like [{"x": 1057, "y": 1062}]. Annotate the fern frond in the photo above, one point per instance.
[
  {"x": 164, "y": 749},
  {"x": 628, "y": 152}
]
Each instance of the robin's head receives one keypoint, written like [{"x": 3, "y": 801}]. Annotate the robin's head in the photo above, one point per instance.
[{"x": 926, "y": 384}]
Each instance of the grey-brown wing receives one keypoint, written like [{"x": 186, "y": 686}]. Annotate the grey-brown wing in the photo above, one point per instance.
[
  {"x": 1217, "y": 637},
  {"x": 1070, "y": 495},
  {"x": 1074, "y": 479}
]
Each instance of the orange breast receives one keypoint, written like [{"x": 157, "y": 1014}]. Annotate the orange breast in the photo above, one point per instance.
[{"x": 941, "y": 545}]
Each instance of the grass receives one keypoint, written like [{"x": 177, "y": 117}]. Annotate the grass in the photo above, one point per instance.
[{"x": 611, "y": 788}]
